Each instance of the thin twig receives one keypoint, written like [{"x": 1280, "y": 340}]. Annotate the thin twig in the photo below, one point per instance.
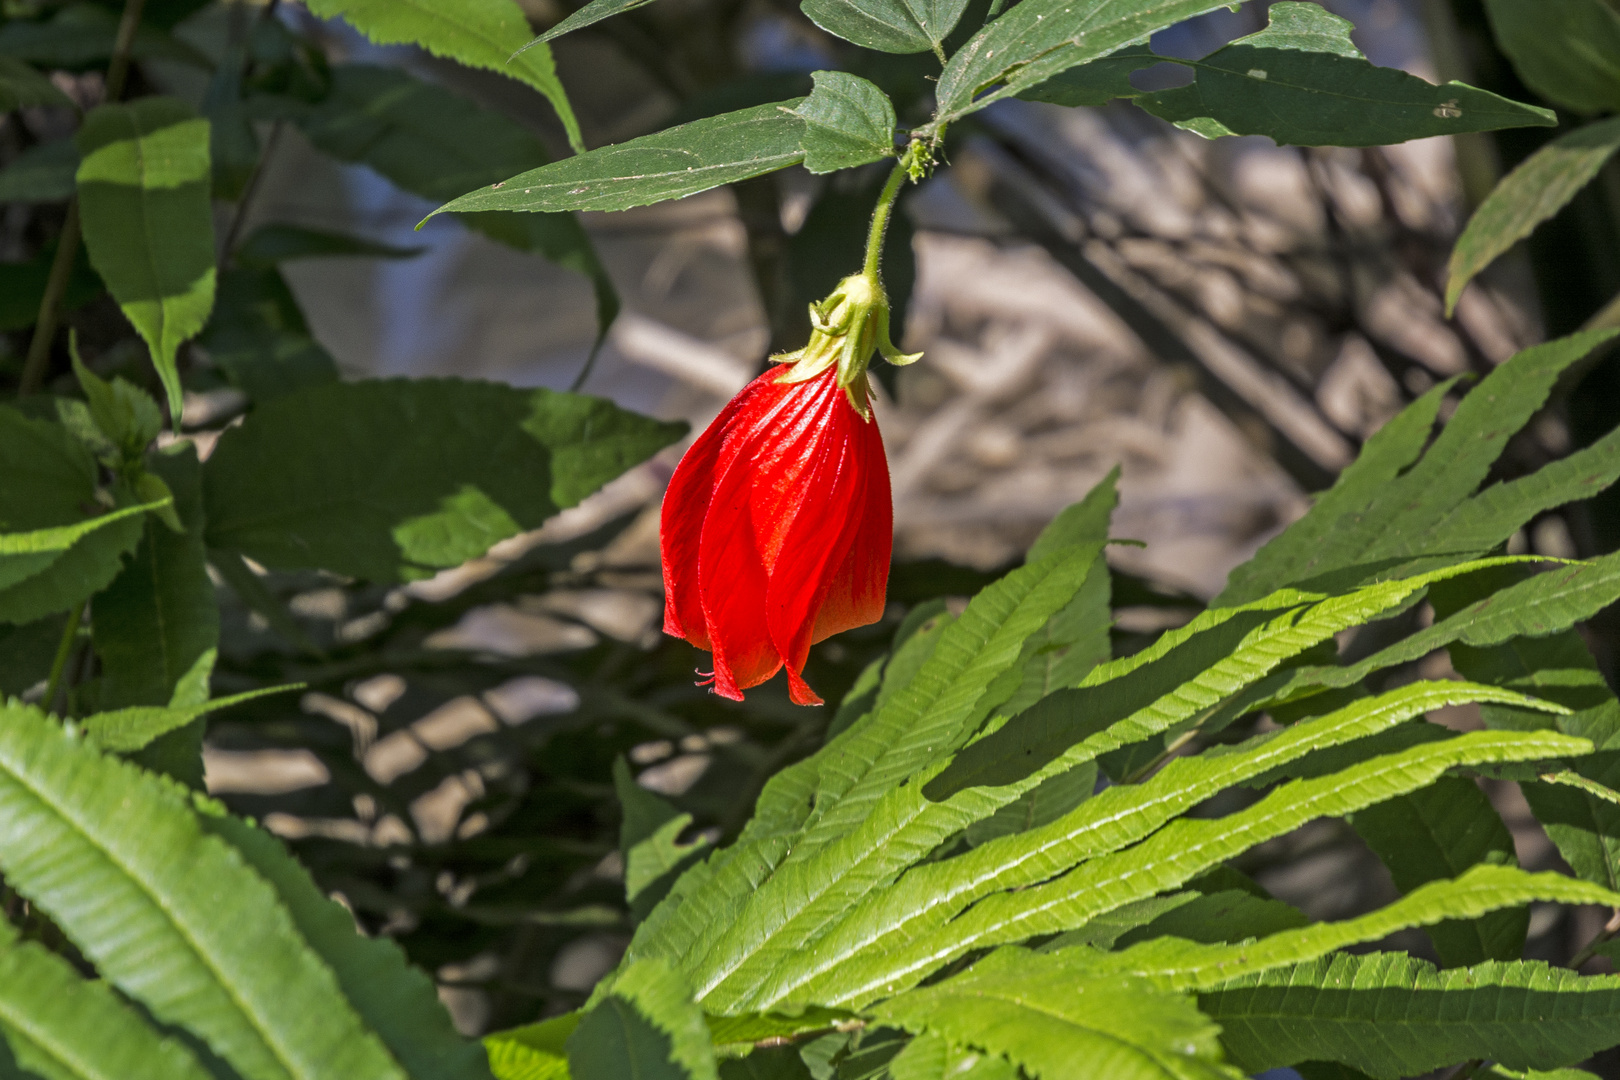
[
  {"x": 249, "y": 192},
  {"x": 67, "y": 250},
  {"x": 70, "y": 634}
]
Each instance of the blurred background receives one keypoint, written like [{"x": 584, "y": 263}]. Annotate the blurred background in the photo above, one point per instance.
[{"x": 1224, "y": 321}]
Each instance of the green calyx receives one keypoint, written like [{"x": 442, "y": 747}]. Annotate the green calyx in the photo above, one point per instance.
[{"x": 846, "y": 329}]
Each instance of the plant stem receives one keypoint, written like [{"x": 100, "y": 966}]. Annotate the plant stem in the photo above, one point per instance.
[
  {"x": 880, "y": 221},
  {"x": 53, "y": 685},
  {"x": 39, "y": 347},
  {"x": 67, "y": 249}
]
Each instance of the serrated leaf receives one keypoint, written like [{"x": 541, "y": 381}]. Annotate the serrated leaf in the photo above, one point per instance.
[
  {"x": 118, "y": 860},
  {"x": 144, "y": 199},
  {"x": 891, "y": 26},
  {"x": 1438, "y": 832},
  {"x": 930, "y": 1057},
  {"x": 1390, "y": 1015},
  {"x": 847, "y": 122},
  {"x": 42, "y": 173},
  {"x": 272, "y": 244},
  {"x": 1583, "y": 823},
  {"x": 1564, "y": 50},
  {"x": 125, "y": 731},
  {"x": 21, "y": 85},
  {"x": 670, "y": 164},
  {"x": 589, "y": 14},
  {"x": 159, "y": 616},
  {"x": 1302, "y": 82},
  {"x": 1378, "y": 518},
  {"x": 397, "y": 1000},
  {"x": 489, "y": 34},
  {"x": 62, "y": 1026},
  {"x": 1035, "y": 1011},
  {"x": 534, "y": 1051},
  {"x": 320, "y": 478},
  {"x": 1172, "y": 856},
  {"x": 22, "y": 555},
  {"x": 124, "y": 413},
  {"x": 437, "y": 144},
  {"x": 1533, "y": 192},
  {"x": 649, "y": 842},
  {"x": 647, "y": 1026},
  {"x": 1036, "y": 40},
  {"x": 761, "y": 1027}
]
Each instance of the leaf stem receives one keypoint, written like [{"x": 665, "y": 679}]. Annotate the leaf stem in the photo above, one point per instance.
[
  {"x": 70, "y": 634},
  {"x": 67, "y": 248},
  {"x": 880, "y": 218}
]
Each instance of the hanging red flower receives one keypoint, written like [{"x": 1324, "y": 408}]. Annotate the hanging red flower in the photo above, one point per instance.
[{"x": 777, "y": 526}]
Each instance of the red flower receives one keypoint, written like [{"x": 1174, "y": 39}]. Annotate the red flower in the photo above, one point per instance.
[{"x": 777, "y": 529}]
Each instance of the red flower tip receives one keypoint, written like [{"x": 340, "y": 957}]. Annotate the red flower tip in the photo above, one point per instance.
[{"x": 776, "y": 530}]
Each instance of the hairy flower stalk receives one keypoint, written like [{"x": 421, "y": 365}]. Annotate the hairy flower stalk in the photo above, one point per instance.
[{"x": 777, "y": 526}]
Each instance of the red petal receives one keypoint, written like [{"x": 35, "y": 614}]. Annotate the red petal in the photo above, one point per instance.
[
  {"x": 856, "y": 595},
  {"x": 680, "y": 526}
]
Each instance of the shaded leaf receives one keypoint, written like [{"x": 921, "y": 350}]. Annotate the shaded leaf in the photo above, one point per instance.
[
  {"x": 1438, "y": 832},
  {"x": 646, "y": 1026},
  {"x": 42, "y": 173},
  {"x": 437, "y": 144},
  {"x": 21, "y": 85},
  {"x": 1302, "y": 82},
  {"x": 489, "y": 34},
  {"x": 125, "y": 731},
  {"x": 670, "y": 164},
  {"x": 533, "y": 1052},
  {"x": 81, "y": 35},
  {"x": 649, "y": 842},
  {"x": 930, "y": 1057},
  {"x": 1568, "y": 51},
  {"x": 22, "y": 287},
  {"x": 259, "y": 339},
  {"x": 144, "y": 191},
  {"x": 320, "y": 478},
  {"x": 1534, "y": 191},
  {"x": 272, "y": 244},
  {"x": 847, "y": 122}
]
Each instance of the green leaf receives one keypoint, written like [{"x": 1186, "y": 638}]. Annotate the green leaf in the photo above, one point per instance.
[
  {"x": 760, "y": 1027},
  {"x": 649, "y": 842},
  {"x": 124, "y": 731},
  {"x": 78, "y": 573},
  {"x": 646, "y": 1026},
  {"x": 1186, "y": 965},
  {"x": 21, "y": 85},
  {"x": 1390, "y": 1015},
  {"x": 397, "y": 1000},
  {"x": 1438, "y": 832},
  {"x": 144, "y": 191},
  {"x": 259, "y": 339},
  {"x": 22, "y": 286},
  {"x": 769, "y": 1063},
  {"x": 847, "y": 122},
  {"x": 47, "y": 478},
  {"x": 272, "y": 244},
  {"x": 1035, "y": 1011},
  {"x": 1582, "y": 819},
  {"x": 1228, "y": 916},
  {"x": 29, "y": 651},
  {"x": 65, "y": 1027},
  {"x": 533, "y": 1052},
  {"x": 930, "y": 1057},
  {"x": 321, "y": 479},
  {"x": 24, "y": 555},
  {"x": 891, "y": 26},
  {"x": 1378, "y": 518},
  {"x": 40, "y": 174},
  {"x": 82, "y": 35},
  {"x": 489, "y": 34},
  {"x": 1534, "y": 191},
  {"x": 124, "y": 413},
  {"x": 1568, "y": 51},
  {"x": 670, "y": 164},
  {"x": 159, "y": 617},
  {"x": 437, "y": 144},
  {"x": 589, "y": 14},
  {"x": 117, "y": 859},
  {"x": 1035, "y": 40},
  {"x": 1302, "y": 82},
  {"x": 1175, "y": 854}
]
